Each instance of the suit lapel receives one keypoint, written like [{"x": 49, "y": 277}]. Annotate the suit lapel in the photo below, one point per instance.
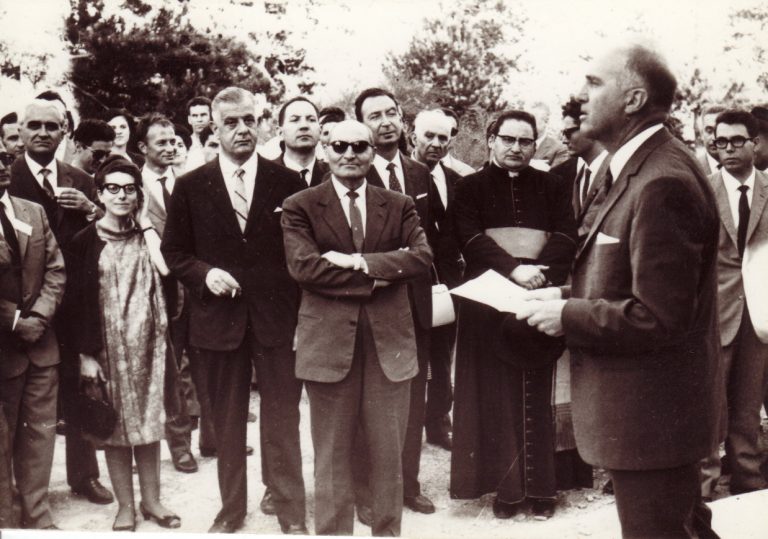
[
  {"x": 262, "y": 193},
  {"x": 408, "y": 175},
  {"x": 758, "y": 202},
  {"x": 333, "y": 215},
  {"x": 318, "y": 172},
  {"x": 374, "y": 178},
  {"x": 375, "y": 219},
  {"x": 597, "y": 185},
  {"x": 724, "y": 206},
  {"x": 220, "y": 197},
  {"x": 21, "y": 213}
]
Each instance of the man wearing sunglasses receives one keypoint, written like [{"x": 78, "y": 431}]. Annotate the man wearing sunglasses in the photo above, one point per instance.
[
  {"x": 93, "y": 143},
  {"x": 741, "y": 191},
  {"x": 353, "y": 248}
]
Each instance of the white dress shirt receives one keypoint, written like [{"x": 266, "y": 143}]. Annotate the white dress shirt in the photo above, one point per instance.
[
  {"x": 6, "y": 200},
  {"x": 195, "y": 155},
  {"x": 458, "y": 166},
  {"x": 228, "y": 171},
  {"x": 593, "y": 167},
  {"x": 381, "y": 167},
  {"x": 341, "y": 192},
  {"x": 438, "y": 177},
  {"x": 36, "y": 167},
  {"x": 150, "y": 180},
  {"x": 293, "y": 165},
  {"x": 625, "y": 153},
  {"x": 732, "y": 188}
]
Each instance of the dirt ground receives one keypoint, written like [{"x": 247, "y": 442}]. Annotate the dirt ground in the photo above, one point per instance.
[{"x": 581, "y": 514}]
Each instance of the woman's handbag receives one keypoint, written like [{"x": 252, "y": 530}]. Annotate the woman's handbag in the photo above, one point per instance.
[{"x": 94, "y": 415}]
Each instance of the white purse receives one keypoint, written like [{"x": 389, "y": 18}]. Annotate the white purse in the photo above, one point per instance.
[{"x": 443, "y": 311}]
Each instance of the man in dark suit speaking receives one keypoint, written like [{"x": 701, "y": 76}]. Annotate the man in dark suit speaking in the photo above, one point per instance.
[
  {"x": 223, "y": 242},
  {"x": 352, "y": 248},
  {"x": 640, "y": 318}
]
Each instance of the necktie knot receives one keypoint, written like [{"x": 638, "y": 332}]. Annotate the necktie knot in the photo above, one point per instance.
[
  {"x": 391, "y": 167},
  {"x": 162, "y": 180},
  {"x": 240, "y": 173},
  {"x": 353, "y": 195},
  {"x": 744, "y": 189},
  {"x": 45, "y": 172},
  {"x": 304, "y": 173}
]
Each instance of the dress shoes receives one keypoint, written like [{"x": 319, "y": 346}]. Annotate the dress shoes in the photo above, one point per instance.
[
  {"x": 94, "y": 491},
  {"x": 267, "y": 504},
  {"x": 225, "y": 526},
  {"x": 543, "y": 508},
  {"x": 364, "y": 515},
  {"x": 211, "y": 451},
  {"x": 440, "y": 438},
  {"x": 295, "y": 529},
  {"x": 504, "y": 510},
  {"x": 185, "y": 463},
  {"x": 420, "y": 504}
]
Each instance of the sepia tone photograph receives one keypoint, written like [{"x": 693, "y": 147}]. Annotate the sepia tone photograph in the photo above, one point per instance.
[{"x": 424, "y": 268}]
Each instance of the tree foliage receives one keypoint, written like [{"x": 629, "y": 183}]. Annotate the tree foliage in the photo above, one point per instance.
[
  {"x": 146, "y": 58},
  {"x": 463, "y": 56}
]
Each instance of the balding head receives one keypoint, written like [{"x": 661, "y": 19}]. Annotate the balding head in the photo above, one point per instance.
[{"x": 431, "y": 136}]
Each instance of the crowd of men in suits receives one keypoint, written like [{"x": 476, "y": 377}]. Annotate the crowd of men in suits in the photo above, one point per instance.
[{"x": 314, "y": 270}]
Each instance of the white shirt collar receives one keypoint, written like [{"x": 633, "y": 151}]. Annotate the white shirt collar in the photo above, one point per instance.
[
  {"x": 342, "y": 190},
  {"x": 229, "y": 167},
  {"x": 6, "y": 200},
  {"x": 293, "y": 165},
  {"x": 36, "y": 167},
  {"x": 732, "y": 184},
  {"x": 149, "y": 175},
  {"x": 625, "y": 153},
  {"x": 594, "y": 166},
  {"x": 381, "y": 167}
]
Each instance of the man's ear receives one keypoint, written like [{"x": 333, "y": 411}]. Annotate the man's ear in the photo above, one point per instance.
[
  {"x": 413, "y": 139},
  {"x": 636, "y": 99},
  {"x": 142, "y": 147}
]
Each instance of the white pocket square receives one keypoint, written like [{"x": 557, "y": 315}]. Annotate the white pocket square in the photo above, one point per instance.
[
  {"x": 279, "y": 209},
  {"x": 422, "y": 195},
  {"x": 605, "y": 239}
]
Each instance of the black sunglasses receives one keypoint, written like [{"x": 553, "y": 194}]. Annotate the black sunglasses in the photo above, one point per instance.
[
  {"x": 568, "y": 133},
  {"x": 98, "y": 155},
  {"x": 7, "y": 159},
  {"x": 113, "y": 188},
  {"x": 340, "y": 146}
]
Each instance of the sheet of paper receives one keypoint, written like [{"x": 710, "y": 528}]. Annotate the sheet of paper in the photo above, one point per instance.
[{"x": 493, "y": 290}]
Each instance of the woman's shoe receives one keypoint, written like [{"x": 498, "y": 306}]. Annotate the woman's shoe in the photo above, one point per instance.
[
  {"x": 167, "y": 521},
  {"x": 131, "y": 527}
]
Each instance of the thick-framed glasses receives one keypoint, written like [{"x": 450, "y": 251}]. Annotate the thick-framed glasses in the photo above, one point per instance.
[
  {"x": 7, "y": 159},
  {"x": 524, "y": 142},
  {"x": 721, "y": 143},
  {"x": 340, "y": 146},
  {"x": 113, "y": 188},
  {"x": 568, "y": 133}
]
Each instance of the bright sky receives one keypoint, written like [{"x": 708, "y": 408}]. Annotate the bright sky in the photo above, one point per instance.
[{"x": 353, "y": 37}]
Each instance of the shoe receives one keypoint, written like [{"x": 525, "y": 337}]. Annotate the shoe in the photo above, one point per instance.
[
  {"x": 211, "y": 451},
  {"x": 504, "y": 510},
  {"x": 420, "y": 504},
  {"x": 608, "y": 487},
  {"x": 185, "y": 463},
  {"x": 225, "y": 526},
  {"x": 441, "y": 438},
  {"x": 267, "y": 504},
  {"x": 53, "y": 527},
  {"x": 543, "y": 508},
  {"x": 295, "y": 529},
  {"x": 364, "y": 515},
  {"x": 166, "y": 521},
  {"x": 94, "y": 491}
]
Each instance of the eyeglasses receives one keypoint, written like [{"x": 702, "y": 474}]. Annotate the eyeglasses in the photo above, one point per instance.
[
  {"x": 568, "y": 133},
  {"x": 524, "y": 142},
  {"x": 721, "y": 143},
  {"x": 7, "y": 159},
  {"x": 98, "y": 155},
  {"x": 34, "y": 125},
  {"x": 340, "y": 146},
  {"x": 113, "y": 188}
]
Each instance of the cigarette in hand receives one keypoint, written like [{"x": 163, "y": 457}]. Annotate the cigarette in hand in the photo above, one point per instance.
[{"x": 234, "y": 292}]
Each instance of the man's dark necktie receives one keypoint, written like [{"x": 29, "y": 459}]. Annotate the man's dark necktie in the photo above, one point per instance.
[
  {"x": 46, "y": 183},
  {"x": 10, "y": 237},
  {"x": 304, "y": 173},
  {"x": 608, "y": 183},
  {"x": 587, "y": 172},
  {"x": 166, "y": 193},
  {"x": 394, "y": 183},
  {"x": 356, "y": 222},
  {"x": 741, "y": 233}
]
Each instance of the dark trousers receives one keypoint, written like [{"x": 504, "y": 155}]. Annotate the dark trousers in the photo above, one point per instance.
[
  {"x": 661, "y": 504},
  {"x": 207, "y": 438},
  {"x": 6, "y": 483},
  {"x": 439, "y": 387},
  {"x": 414, "y": 435},
  {"x": 368, "y": 404},
  {"x": 30, "y": 407},
  {"x": 80, "y": 455},
  {"x": 228, "y": 381},
  {"x": 178, "y": 425}
]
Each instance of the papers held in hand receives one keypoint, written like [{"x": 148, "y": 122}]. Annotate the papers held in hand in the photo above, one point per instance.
[{"x": 493, "y": 290}]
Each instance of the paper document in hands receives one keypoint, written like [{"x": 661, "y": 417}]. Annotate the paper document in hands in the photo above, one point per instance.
[{"x": 493, "y": 290}]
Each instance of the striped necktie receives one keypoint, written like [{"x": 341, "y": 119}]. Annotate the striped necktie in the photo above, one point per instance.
[
  {"x": 47, "y": 187},
  {"x": 240, "y": 201}
]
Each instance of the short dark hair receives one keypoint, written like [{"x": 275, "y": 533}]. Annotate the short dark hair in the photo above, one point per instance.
[
  {"x": 114, "y": 113},
  {"x": 10, "y": 118},
  {"x": 738, "y": 117},
  {"x": 514, "y": 114},
  {"x": 119, "y": 163},
  {"x": 367, "y": 94},
  {"x": 197, "y": 101},
  {"x": 91, "y": 130},
  {"x": 657, "y": 78},
  {"x": 572, "y": 109},
  {"x": 205, "y": 134},
  {"x": 331, "y": 114},
  {"x": 147, "y": 121},
  {"x": 183, "y": 132},
  {"x": 760, "y": 114},
  {"x": 281, "y": 112}
]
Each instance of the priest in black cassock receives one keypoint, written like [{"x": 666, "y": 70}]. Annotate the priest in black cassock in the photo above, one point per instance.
[{"x": 518, "y": 221}]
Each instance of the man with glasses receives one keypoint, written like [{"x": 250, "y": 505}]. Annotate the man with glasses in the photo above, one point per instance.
[
  {"x": 741, "y": 191},
  {"x": 93, "y": 143},
  {"x": 517, "y": 221},
  {"x": 353, "y": 247}
]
